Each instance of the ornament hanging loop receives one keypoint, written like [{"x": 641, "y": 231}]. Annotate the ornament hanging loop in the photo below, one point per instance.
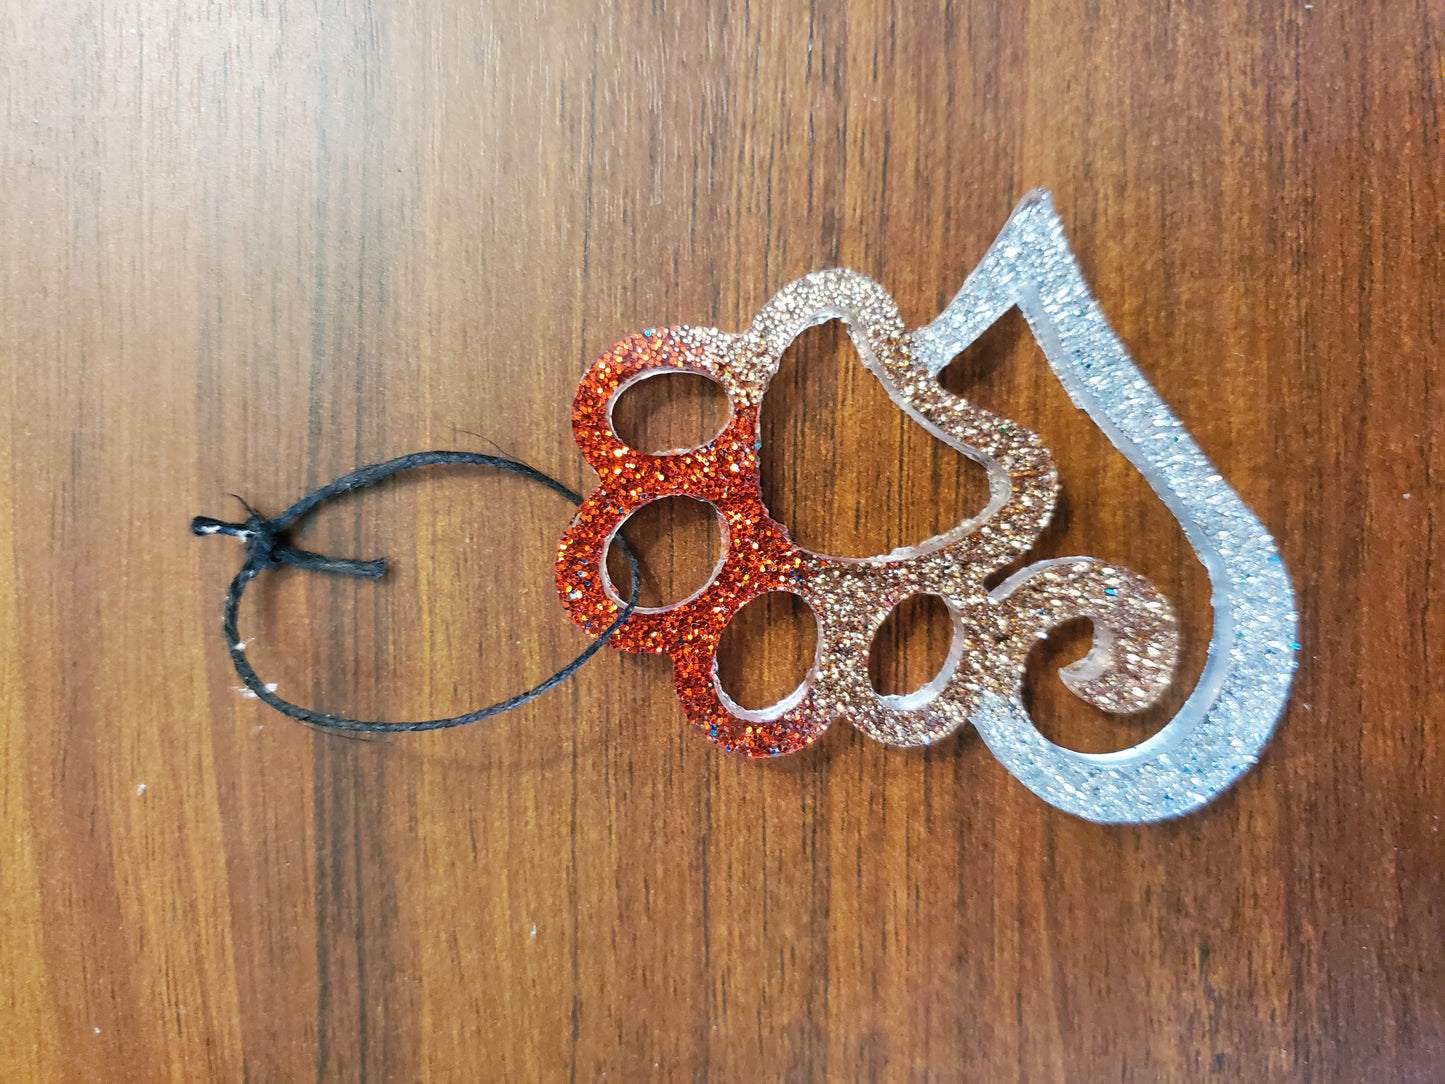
[{"x": 266, "y": 548}]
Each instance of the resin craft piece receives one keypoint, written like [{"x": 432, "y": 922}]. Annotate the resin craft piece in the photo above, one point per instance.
[{"x": 1215, "y": 736}]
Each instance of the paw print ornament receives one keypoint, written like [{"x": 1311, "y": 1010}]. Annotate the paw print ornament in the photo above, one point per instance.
[{"x": 1216, "y": 735}]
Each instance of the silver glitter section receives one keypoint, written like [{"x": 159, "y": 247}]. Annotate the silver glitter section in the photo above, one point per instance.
[{"x": 1220, "y": 730}]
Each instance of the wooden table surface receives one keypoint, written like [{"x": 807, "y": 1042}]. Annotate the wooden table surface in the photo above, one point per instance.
[{"x": 245, "y": 248}]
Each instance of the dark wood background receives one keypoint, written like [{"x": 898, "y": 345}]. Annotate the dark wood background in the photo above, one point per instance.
[{"x": 246, "y": 247}]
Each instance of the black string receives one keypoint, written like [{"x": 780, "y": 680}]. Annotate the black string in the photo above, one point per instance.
[{"x": 266, "y": 547}]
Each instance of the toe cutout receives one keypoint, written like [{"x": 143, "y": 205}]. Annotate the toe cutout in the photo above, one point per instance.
[
  {"x": 766, "y": 654},
  {"x": 678, "y": 543},
  {"x": 910, "y": 656},
  {"x": 669, "y": 410}
]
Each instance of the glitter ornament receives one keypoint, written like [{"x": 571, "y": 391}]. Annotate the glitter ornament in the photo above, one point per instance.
[{"x": 1215, "y": 736}]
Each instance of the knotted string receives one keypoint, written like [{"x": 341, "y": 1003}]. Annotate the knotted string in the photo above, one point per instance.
[{"x": 267, "y": 547}]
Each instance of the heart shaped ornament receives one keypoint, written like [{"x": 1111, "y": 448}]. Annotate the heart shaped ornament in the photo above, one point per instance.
[{"x": 1219, "y": 731}]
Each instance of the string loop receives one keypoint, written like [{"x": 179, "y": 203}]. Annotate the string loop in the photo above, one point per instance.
[{"x": 267, "y": 547}]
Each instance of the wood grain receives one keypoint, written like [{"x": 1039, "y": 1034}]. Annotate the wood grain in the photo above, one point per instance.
[{"x": 244, "y": 248}]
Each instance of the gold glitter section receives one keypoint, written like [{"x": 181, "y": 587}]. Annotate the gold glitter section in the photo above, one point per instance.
[{"x": 1135, "y": 642}]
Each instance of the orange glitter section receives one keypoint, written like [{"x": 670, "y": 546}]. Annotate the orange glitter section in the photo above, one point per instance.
[{"x": 758, "y": 557}]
